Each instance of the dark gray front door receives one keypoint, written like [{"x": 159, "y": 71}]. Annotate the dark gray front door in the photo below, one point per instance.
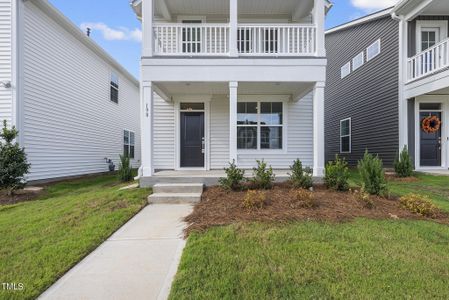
[
  {"x": 192, "y": 139},
  {"x": 430, "y": 144}
]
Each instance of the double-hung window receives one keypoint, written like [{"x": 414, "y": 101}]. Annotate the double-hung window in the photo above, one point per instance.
[
  {"x": 345, "y": 136},
  {"x": 128, "y": 143},
  {"x": 114, "y": 87},
  {"x": 260, "y": 125}
]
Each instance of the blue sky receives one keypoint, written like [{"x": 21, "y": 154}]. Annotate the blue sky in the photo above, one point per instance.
[{"x": 117, "y": 30}]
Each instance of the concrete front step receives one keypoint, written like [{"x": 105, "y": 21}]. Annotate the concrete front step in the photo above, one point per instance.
[
  {"x": 173, "y": 188},
  {"x": 174, "y": 198}
]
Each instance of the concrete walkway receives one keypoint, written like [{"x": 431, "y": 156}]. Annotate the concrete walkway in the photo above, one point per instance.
[{"x": 138, "y": 262}]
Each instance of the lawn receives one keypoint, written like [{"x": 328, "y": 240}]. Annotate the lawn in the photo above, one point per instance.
[
  {"x": 43, "y": 239},
  {"x": 362, "y": 259}
]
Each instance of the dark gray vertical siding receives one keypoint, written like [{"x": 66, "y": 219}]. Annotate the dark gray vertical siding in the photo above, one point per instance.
[
  {"x": 411, "y": 127},
  {"x": 412, "y": 31},
  {"x": 369, "y": 95}
]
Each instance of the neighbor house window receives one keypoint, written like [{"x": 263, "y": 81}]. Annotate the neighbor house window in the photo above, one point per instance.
[
  {"x": 128, "y": 143},
  {"x": 345, "y": 136},
  {"x": 358, "y": 61},
  {"x": 346, "y": 70},
  {"x": 260, "y": 125},
  {"x": 114, "y": 87},
  {"x": 373, "y": 50}
]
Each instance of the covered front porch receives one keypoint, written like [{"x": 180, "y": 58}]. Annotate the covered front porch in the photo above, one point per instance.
[{"x": 192, "y": 130}]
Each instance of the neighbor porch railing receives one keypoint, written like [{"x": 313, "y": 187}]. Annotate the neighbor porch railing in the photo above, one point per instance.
[
  {"x": 252, "y": 39},
  {"x": 429, "y": 61}
]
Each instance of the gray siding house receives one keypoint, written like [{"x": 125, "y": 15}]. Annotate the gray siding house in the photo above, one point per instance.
[{"x": 361, "y": 96}]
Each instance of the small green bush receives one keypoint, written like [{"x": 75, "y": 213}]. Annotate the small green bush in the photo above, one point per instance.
[
  {"x": 419, "y": 204},
  {"x": 234, "y": 177},
  {"x": 263, "y": 176},
  {"x": 302, "y": 199},
  {"x": 13, "y": 161},
  {"x": 254, "y": 200},
  {"x": 337, "y": 174},
  {"x": 301, "y": 177},
  {"x": 125, "y": 171},
  {"x": 372, "y": 175},
  {"x": 403, "y": 165}
]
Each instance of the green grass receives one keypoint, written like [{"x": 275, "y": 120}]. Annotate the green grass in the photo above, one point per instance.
[
  {"x": 436, "y": 187},
  {"x": 364, "y": 259},
  {"x": 43, "y": 239}
]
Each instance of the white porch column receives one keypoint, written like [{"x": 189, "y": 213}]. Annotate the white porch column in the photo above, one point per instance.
[
  {"x": 147, "y": 129},
  {"x": 233, "y": 23},
  {"x": 318, "y": 20},
  {"x": 233, "y": 86},
  {"x": 402, "y": 105},
  {"x": 318, "y": 130},
  {"x": 147, "y": 27}
]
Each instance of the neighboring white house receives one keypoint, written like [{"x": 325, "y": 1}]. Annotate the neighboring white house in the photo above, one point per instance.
[
  {"x": 73, "y": 104},
  {"x": 227, "y": 80}
]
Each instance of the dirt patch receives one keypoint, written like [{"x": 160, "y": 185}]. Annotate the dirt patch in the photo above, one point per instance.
[
  {"x": 401, "y": 179},
  {"x": 19, "y": 196},
  {"x": 221, "y": 207}
]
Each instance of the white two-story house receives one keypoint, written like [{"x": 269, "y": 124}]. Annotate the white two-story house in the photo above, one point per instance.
[{"x": 231, "y": 80}]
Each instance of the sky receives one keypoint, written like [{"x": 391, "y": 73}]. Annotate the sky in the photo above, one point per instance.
[{"x": 116, "y": 29}]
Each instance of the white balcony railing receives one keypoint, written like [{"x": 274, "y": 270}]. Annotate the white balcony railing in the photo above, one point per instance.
[
  {"x": 252, "y": 39},
  {"x": 429, "y": 61}
]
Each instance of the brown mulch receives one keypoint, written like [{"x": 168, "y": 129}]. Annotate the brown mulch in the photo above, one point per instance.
[
  {"x": 19, "y": 196},
  {"x": 220, "y": 207},
  {"x": 401, "y": 179}
]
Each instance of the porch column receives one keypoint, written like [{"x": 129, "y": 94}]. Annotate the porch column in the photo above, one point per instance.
[
  {"x": 147, "y": 128},
  {"x": 318, "y": 20},
  {"x": 233, "y": 30},
  {"x": 318, "y": 129},
  {"x": 403, "y": 77},
  {"x": 147, "y": 27},
  {"x": 233, "y": 86}
]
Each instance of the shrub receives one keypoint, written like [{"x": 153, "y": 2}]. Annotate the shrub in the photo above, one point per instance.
[
  {"x": 301, "y": 177},
  {"x": 125, "y": 171},
  {"x": 13, "y": 161},
  {"x": 372, "y": 175},
  {"x": 403, "y": 165},
  {"x": 337, "y": 174},
  {"x": 302, "y": 199},
  {"x": 254, "y": 200},
  {"x": 234, "y": 177},
  {"x": 263, "y": 176},
  {"x": 363, "y": 197},
  {"x": 419, "y": 204}
]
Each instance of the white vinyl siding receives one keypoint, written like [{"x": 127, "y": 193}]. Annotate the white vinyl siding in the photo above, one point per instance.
[
  {"x": 164, "y": 134},
  {"x": 219, "y": 132},
  {"x": 70, "y": 125},
  {"x": 6, "y": 101}
]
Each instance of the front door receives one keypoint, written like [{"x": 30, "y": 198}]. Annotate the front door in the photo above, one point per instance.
[
  {"x": 192, "y": 139},
  {"x": 430, "y": 139}
]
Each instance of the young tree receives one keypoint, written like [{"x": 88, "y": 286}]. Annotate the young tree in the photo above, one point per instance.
[{"x": 13, "y": 161}]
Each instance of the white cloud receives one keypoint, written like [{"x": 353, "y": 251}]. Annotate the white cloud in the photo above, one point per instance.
[
  {"x": 371, "y": 5},
  {"x": 114, "y": 34}
]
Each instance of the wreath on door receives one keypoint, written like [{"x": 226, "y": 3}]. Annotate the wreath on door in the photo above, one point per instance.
[{"x": 431, "y": 124}]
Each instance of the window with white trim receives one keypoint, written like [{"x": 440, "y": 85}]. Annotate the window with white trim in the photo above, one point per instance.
[
  {"x": 373, "y": 50},
  {"x": 128, "y": 143},
  {"x": 358, "y": 61},
  {"x": 260, "y": 125},
  {"x": 345, "y": 136},
  {"x": 346, "y": 70},
  {"x": 114, "y": 87}
]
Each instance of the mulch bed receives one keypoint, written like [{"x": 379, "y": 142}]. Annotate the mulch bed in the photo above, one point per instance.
[
  {"x": 220, "y": 207},
  {"x": 19, "y": 196}
]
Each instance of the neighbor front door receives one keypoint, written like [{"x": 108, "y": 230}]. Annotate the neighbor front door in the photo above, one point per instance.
[
  {"x": 430, "y": 143},
  {"x": 192, "y": 140}
]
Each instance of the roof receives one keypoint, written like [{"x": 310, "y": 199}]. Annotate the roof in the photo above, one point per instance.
[
  {"x": 369, "y": 18},
  {"x": 62, "y": 20}
]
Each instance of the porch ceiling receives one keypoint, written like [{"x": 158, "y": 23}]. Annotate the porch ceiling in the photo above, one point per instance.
[
  {"x": 245, "y": 88},
  {"x": 437, "y": 7}
]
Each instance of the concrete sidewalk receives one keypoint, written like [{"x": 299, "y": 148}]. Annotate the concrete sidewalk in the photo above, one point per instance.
[{"x": 138, "y": 262}]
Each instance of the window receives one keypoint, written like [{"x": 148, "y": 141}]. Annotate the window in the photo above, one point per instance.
[
  {"x": 244, "y": 41},
  {"x": 271, "y": 41},
  {"x": 128, "y": 143},
  {"x": 114, "y": 87},
  {"x": 373, "y": 50},
  {"x": 260, "y": 125},
  {"x": 358, "y": 61},
  {"x": 191, "y": 37},
  {"x": 345, "y": 136},
  {"x": 346, "y": 70}
]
